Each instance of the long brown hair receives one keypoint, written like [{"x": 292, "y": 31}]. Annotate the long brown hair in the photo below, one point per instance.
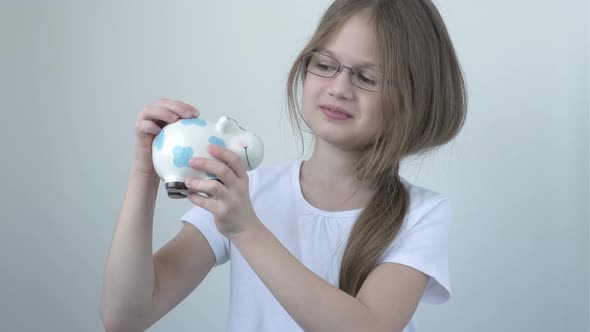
[{"x": 425, "y": 106}]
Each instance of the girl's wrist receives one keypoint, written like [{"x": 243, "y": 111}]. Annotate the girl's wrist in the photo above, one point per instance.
[
  {"x": 143, "y": 174},
  {"x": 252, "y": 233}
]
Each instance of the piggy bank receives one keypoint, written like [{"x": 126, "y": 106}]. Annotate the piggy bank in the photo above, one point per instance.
[{"x": 182, "y": 140}]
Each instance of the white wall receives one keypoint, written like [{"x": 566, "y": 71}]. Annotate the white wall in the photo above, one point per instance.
[{"x": 74, "y": 74}]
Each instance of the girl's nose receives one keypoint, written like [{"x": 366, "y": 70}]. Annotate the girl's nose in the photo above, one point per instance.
[{"x": 341, "y": 84}]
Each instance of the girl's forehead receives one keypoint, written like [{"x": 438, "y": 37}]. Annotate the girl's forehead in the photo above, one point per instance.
[
  {"x": 354, "y": 59},
  {"x": 353, "y": 41}
]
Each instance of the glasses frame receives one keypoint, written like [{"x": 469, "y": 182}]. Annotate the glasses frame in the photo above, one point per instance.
[{"x": 307, "y": 57}]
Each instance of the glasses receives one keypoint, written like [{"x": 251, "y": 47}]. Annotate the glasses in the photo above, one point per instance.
[{"x": 323, "y": 65}]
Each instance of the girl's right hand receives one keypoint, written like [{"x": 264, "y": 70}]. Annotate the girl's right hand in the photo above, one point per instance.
[{"x": 150, "y": 122}]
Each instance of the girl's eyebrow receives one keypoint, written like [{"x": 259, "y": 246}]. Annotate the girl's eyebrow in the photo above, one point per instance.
[{"x": 364, "y": 63}]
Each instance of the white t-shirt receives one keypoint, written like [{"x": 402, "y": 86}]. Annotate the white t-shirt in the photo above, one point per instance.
[{"x": 318, "y": 238}]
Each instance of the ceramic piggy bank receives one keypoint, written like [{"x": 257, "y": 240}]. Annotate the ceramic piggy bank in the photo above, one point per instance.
[{"x": 182, "y": 140}]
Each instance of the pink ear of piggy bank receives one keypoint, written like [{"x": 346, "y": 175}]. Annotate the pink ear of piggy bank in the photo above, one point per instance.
[{"x": 182, "y": 140}]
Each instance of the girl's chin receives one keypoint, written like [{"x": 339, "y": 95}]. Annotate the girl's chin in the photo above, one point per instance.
[{"x": 339, "y": 139}]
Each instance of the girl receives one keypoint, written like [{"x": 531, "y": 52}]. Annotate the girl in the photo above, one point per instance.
[{"x": 338, "y": 242}]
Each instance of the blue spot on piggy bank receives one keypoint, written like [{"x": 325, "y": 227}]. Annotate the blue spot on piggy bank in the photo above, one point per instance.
[{"x": 178, "y": 142}]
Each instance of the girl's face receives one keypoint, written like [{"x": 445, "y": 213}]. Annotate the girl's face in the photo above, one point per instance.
[{"x": 353, "y": 44}]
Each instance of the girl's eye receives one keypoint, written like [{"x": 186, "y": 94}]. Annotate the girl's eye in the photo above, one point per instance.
[
  {"x": 366, "y": 80},
  {"x": 325, "y": 66}
]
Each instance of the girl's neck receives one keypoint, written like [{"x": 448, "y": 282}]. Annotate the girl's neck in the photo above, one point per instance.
[
  {"x": 332, "y": 190},
  {"x": 331, "y": 172},
  {"x": 331, "y": 166}
]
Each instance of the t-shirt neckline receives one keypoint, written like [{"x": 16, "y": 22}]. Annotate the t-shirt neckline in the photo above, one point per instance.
[{"x": 299, "y": 195}]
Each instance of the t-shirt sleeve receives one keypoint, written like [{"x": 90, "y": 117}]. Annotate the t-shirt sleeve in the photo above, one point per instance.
[
  {"x": 204, "y": 221},
  {"x": 424, "y": 246}
]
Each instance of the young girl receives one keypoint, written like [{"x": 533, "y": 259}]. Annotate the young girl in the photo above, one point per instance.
[{"x": 338, "y": 242}]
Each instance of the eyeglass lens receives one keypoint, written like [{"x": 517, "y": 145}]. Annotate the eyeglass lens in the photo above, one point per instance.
[{"x": 326, "y": 66}]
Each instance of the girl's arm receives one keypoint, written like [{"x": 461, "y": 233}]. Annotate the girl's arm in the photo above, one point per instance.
[
  {"x": 141, "y": 287},
  {"x": 386, "y": 301},
  {"x": 129, "y": 273}
]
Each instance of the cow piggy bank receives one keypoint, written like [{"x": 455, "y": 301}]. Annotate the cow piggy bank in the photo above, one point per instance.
[{"x": 182, "y": 140}]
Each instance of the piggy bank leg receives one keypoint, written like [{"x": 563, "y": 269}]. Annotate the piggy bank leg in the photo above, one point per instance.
[{"x": 178, "y": 190}]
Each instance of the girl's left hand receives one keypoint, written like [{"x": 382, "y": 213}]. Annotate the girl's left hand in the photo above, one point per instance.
[{"x": 230, "y": 203}]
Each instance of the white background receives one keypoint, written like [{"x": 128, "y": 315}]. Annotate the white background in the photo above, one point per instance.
[{"x": 74, "y": 74}]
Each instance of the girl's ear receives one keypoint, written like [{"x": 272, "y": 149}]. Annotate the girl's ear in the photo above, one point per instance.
[
  {"x": 222, "y": 124},
  {"x": 226, "y": 125}
]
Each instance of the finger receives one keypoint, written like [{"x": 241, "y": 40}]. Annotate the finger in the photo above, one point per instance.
[
  {"x": 229, "y": 158},
  {"x": 202, "y": 201},
  {"x": 212, "y": 187},
  {"x": 215, "y": 167},
  {"x": 147, "y": 127},
  {"x": 158, "y": 113},
  {"x": 178, "y": 107}
]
